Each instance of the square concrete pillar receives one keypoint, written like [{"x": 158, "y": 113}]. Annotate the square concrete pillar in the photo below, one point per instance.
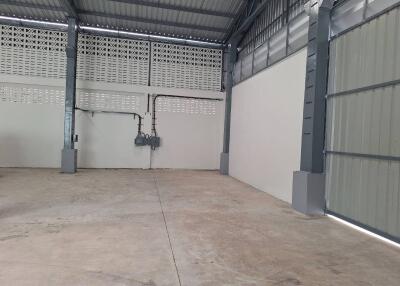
[
  {"x": 69, "y": 161},
  {"x": 308, "y": 194},
  {"x": 224, "y": 164}
]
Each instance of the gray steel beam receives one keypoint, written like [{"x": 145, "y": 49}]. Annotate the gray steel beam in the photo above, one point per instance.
[
  {"x": 237, "y": 21},
  {"x": 308, "y": 183},
  {"x": 54, "y": 26},
  {"x": 153, "y": 38},
  {"x": 364, "y": 88},
  {"x": 245, "y": 26},
  {"x": 363, "y": 155},
  {"x": 69, "y": 8},
  {"x": 19, "y": 22},
  {"x": 32, "y": 5},
  {"x": 69, "y": 153},
  {"x": 151, "y": 21},
  {"x": 177, "y": 8},
  {"x": 313, "y": 136},
  {"x": 230, "y": 59}
]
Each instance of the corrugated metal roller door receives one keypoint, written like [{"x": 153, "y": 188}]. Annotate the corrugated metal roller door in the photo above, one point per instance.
[{"x": 363, "y": 125}]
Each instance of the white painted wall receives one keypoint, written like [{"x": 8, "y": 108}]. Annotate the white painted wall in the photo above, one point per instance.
[
  {"x": 31, "y": 129},
  {"x": 189, "y": 141},
  {"x": 107, "y": 141},
  {"x": 266, "y": 127},
  {"x": 31, "y": 135}
]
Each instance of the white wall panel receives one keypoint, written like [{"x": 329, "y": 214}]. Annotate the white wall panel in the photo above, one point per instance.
[
  {"x": 107, "y": 141},
  {"x": 191, "y": 132},
  {"x": 266, "y": 125},
  {"x": 31, "y": 136},
  {"x": 31, "y": 126}
]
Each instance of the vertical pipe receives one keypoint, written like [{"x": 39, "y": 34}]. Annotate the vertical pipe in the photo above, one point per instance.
[{"x": 69, "y": 154}]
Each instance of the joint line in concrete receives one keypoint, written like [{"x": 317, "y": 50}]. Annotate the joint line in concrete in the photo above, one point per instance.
[{"x": 167, "y": 231}]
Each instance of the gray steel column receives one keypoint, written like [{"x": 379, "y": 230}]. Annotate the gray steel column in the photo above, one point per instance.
[
  {"x": 309, "y": 182},
  {"x": 230, "y": 58},
  {"x": 69, "y": 153}
]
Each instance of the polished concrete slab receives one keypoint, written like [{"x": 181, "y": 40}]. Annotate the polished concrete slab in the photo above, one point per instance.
[{"x": 168, "y": 227}]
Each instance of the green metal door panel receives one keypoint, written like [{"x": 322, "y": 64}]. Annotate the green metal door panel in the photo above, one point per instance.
[{"x": 363, "y": 125}]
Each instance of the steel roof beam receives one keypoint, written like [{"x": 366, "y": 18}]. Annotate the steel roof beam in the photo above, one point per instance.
[
  {"x": 177, "y": 8},
  {"x": 32, "y": 5},
  {"x": 151, "y": 21},
  {"x": 69, "y": 8},
  {"x": 55, "y": 26},
  {"x": 242, "y": 14},
  {"x": 241, "y": 31}
]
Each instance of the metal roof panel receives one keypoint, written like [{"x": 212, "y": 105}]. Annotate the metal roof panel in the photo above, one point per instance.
[{"x": 176, "y": 18}]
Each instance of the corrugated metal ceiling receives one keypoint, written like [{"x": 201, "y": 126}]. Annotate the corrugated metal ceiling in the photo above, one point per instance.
[{"x": 205, "y": 20}]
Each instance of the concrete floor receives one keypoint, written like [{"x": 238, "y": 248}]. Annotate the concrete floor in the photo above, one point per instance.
[{"x": 135, "y": 227}]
